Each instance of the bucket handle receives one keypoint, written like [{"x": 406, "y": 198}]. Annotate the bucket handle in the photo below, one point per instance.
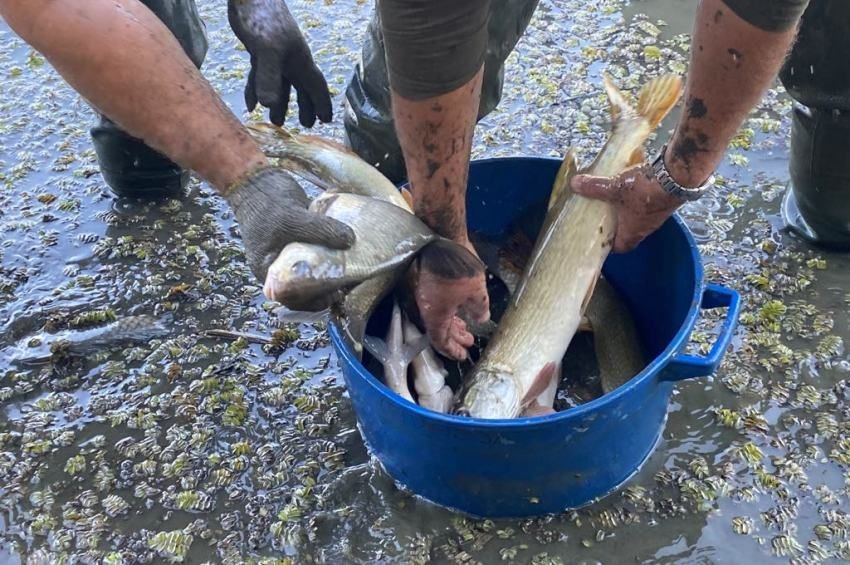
[{"x": 684, "y": 366}]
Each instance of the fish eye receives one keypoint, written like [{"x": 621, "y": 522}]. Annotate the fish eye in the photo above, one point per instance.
[{"x": 302, "y": 269}]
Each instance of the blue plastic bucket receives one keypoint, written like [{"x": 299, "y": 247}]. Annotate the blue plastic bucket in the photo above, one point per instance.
[{"x": 532, "y": 466}]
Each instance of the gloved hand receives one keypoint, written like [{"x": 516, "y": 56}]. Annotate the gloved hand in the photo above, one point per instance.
[
  {"x": 280, "y": 59},
  {"x": 272, "y": 212}
]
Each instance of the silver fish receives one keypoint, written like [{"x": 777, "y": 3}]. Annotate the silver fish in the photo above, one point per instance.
[
  {"x": 387, "y": 238},
  {"x": 395, "y": 355},
  {"x": 544, "y": 313},
  {"x": 336, "y": 169},
  {"x": 328, "y": 165},
  {"x": 429, "y": 374}
]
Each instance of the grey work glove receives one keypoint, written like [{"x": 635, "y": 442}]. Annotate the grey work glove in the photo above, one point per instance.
[
  {"x": 280, "y": 60},
  {"x": 271, "y": 209}
]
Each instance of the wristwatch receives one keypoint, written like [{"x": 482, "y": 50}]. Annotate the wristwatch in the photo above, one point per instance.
[{"x": 672, "y": 187}]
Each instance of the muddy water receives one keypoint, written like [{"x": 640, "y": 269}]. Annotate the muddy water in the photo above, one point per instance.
[{"x": 252, "y": 450}]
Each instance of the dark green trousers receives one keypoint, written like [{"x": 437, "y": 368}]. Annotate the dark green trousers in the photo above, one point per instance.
[{"x": 817, "y": 76}]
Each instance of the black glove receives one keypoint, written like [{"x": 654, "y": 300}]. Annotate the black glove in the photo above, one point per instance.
[
  {"x": 271, "y": 209},
  {"x": 280, "y": 59}
]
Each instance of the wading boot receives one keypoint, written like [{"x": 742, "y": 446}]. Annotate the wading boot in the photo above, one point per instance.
[
  {"x": 129, "y": 167},
  {"x": 817, "y": 203},
  {"x": 132, "y": 169}
]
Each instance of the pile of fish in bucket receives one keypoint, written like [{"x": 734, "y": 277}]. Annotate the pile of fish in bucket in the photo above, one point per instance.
[{"x": 555, "y": 285}]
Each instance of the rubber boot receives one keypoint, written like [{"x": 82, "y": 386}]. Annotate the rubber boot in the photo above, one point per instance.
[
  {"x": 129, "y": 167},
  {"x": 369, "y": 128},
  {"x": 816, "y": 205}
]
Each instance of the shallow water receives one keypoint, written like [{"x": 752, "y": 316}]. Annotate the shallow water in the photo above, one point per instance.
[{"x": 274, "y": 465}]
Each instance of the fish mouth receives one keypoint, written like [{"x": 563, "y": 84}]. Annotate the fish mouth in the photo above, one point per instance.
[
  {"x": 306, "y": 296},
  {"x": 494, "y": 396}
]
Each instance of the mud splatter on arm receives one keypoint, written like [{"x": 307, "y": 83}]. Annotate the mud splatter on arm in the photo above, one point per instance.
[
  {"x": 734, "y": 59},
  {"x": 436, "y": 136}
]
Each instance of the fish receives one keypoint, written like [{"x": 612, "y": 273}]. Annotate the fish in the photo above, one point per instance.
[
  {"x": 329, "y": 165},
  {"x": 79, "y": 343},
  {"x": 429, "y": 373},
  {"x": 615, "y": 337},
  {"x": 544, "y": 404},
  {"x": 395, "y": 353},
  {"x": 353, "y": 311},
  {"x": 544, "y": 313},
  {"x": 310, "y": 277},
  {"x": 336, "y": 169}
]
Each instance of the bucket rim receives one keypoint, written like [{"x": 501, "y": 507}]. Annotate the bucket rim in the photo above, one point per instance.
[{"x": 653, "y": 370}]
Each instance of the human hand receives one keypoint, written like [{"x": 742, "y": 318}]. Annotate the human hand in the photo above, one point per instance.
[
  {"x": 271, "y": 208},
  {"x": 641, "y": 205},
  {"x": 280, "y": 60},
  {"x": 442, "y": 299}
]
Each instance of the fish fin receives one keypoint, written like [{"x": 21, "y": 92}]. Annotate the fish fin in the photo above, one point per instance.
[
  {"x": 288, "y": 316},
  {"x": 637, "y": 158},
  {"x": 377, "y": 348},
  {"x": 413, "y": 348},
  {"x": 449, "y": 260},
  {"x": 408, "y": 197},
  {"x": 540, "y": 384},
  {"x": 568, "y": 170},
  {"x": 589, "y": 296},
  {"x": 618, "y": 104},
  {"x": 329, "y": 143},
  {"x": 265, "y": 132},
  {"x": 535, "y": 409},
  {"x": 585, "y": 325},
  {"x": 658, "y": 97}
]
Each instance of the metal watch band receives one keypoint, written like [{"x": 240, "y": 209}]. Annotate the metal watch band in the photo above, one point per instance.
[{"x": 672, "y": 187}]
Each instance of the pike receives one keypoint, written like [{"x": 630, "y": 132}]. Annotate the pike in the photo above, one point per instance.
[
  {"x": 615, "y": 337},
  {"x": 544, "y": 314}
]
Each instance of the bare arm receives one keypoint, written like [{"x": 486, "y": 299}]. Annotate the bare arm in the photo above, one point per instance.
[
  {"x": 126, "y": 63},
  {"x": 733, "y": 62},
  {"x": 435, "y": 56},
  {"x": 738, "y": 47}
]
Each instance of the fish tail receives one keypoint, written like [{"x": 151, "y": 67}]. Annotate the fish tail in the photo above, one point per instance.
[
  {"x": 415, "y": 342},
  {"x": 568, "y": 170},
  {"x": 450, "y": 260},
  {"x": 618, "y": 103},
  {"x": 658, "y": 97},
  {"x": 413, "y": 348},
  {"x": 377, "y": 348},
  {"x": 655, "y": 100}
]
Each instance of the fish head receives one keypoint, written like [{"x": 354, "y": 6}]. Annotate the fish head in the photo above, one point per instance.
[
  {"x": 494, "y": 394},
  {"x": 305, "y": 277}
]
